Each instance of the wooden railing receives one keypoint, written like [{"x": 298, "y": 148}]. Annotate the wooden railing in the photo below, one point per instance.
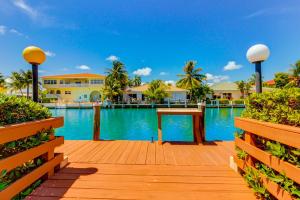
[
  {"x": 283, "y": 134},
  {"x": 18, "y": 131}
]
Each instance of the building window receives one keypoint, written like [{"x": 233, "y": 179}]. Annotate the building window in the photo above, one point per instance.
[
  {"x": 50, "y": 82},
  {"x": 96, "y": 81},
  {"x": 85, "y": 96},
  {"x": 67, "y": 92},
  {"x": 61, "y": 82},
  {"x": 58, "y": 92},
  {"x": 51, "y": 91},
  {"x": 78, "y": 82}
]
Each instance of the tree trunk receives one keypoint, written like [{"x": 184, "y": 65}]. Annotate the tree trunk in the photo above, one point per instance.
[
  {"x": 27, "y": 91},
  {"x": 21, "y": 91}
]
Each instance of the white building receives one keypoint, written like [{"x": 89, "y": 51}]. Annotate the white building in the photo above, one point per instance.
[{"x": 135, "y": 94}]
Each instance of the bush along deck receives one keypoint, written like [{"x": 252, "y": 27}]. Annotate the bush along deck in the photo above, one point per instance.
[
  {"x": 27, "y": 145},
  {"x": 268, "y": 147}
]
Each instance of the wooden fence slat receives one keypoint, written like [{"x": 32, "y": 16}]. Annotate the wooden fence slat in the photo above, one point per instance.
[
  {"x": 290, "y": 170},
  {"x": 13, "y": 161},
  {"x": 17, "y": 131},
  {"x": 284, "y": 134},
  {"x": 30, "y": 178},
  {"x": 271, "y": 186}
]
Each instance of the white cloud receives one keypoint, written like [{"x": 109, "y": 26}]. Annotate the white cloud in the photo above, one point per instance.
[
  {"x": 163, "y": 73},
  {"x": 14, "y": 31},
  {"x": 170, "y": 82},
  {"x": 21, "y": 4},
  {"x": 2, "y": 29},
  {"x": 50, "y": 53},
  {"x": 232, "y": 65},
  {"x": 83, "y": 67},
  {"x": 112, "y": 58},
  {"x": 217, "y": 78},
  {"x": 146, "y": 71}
]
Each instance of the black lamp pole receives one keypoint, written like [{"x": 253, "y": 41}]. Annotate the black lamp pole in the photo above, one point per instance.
[
  {"x": 258, "y": 79},
  {"x": 35, "y": 88}
]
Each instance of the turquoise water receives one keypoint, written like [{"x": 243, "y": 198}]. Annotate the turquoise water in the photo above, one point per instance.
[{"x": 141, "y": 124}]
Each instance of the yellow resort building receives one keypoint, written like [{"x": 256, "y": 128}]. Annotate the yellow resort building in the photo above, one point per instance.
[{"x": 67, "y": 88}]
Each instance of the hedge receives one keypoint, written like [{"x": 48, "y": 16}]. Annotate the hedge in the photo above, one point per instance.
[
  {"x": 281, "y": 106},
  {"x": 19, "y": 109}
]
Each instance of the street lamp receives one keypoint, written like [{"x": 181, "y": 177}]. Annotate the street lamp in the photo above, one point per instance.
[
  {"x": 35, "y": 56},
  {"x": 257, "y": 54}
]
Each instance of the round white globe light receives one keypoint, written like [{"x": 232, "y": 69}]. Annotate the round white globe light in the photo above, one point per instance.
[{"x": 258, "y": 53}]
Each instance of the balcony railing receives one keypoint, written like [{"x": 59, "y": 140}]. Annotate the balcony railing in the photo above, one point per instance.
[{"x": 71, "y": 85}]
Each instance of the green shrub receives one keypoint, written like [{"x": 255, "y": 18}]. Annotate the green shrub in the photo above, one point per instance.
[
  {"x": 16, "y": 110},
  {"x": 223, "y": 101},
  {"x": 19, "y": 109},
  {"x": 238, "y": 101},
  {"x": 280, "y": 106}
]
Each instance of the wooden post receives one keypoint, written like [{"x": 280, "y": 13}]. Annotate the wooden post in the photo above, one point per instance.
[
  {"x": 159, "y": 129},
  {"x": 197, "y": 132},
  {"x": 96, "y": 122},
  {"x": 249, "y": 139},
  {"x": 202, "y": 124}
]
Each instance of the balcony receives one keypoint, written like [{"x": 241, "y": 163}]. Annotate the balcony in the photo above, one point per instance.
[{"x": 71, "y": 85}]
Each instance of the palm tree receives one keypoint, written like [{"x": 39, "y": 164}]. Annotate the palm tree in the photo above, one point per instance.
[
  {"x": 27, "y": 79},
  {"x": 241, "y": 85},
  {"x": 112, "y": 89},
  {"x": 2, "y": 81},
  {"x": 17, "y": 82},
  {"x": 192, "y": 78},
  {"x": 136, "y": 81},
  {"x": 156, "y": 91},
  {"x": 118, "y": 73},
  {"x": 296, "y": 72}
]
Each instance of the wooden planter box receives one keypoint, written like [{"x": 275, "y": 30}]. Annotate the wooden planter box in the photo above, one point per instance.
[
  {"x": 17, "y": 131},
  {"x": 283, "y": 134}
]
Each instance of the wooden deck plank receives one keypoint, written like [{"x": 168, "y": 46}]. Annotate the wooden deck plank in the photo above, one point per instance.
[
  {"x": 106, "y": 157},
  {"x": 145, "y": 170},
  {"x": 142, "y": 156},
  {"x": 134, "y": 153},
  {"x": 90, "y": 157},
  {"x": 123, "y": 158},
  {"x": 168, "y": 154},
  {"x": 117, "y": 154},
  {"x": 132, "y": 194},
  {"x": 151, "y": 154},
  {"x": 159, "y": 154}
]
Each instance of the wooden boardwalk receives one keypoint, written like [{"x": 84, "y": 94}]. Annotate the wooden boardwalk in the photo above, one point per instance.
[{"x": 144, "y": 170}]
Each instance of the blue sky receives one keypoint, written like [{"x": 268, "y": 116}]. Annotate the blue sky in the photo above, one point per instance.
[{"x": 153, "y": 38}]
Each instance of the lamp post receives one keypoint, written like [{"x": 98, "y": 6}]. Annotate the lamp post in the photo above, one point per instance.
[
  {"x": 257, "y": 54},
  {"x": 35, "y": 56}
]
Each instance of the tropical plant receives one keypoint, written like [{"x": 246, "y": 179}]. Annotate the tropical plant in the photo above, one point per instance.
[
  {"x": 156, "y": 91},
  {"x": 27, "y": 80},
  {"x": 112, "y": 89},
  {"x": 252, "y": 79},
  {"x": 116, "y": 81},
  {"x": 17, "y": 110},
  {"x": 254, "y": 180},
  {"x": 192, "y": 79},
  {"x": 118, "y": 73},
  {"x": 280, "y": 106},
  {"x": 17, "y": 82},
  {"x": 136, "y": 81},
  {"x": 241, "y": 87},
  {"x": 281, "y": 79}
]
